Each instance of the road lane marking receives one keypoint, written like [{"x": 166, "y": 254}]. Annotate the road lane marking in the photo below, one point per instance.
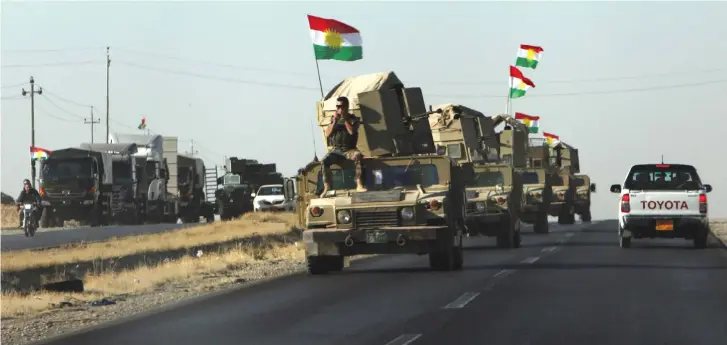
[
  {"x": 569, "y": 234},
  {"x": 404, "y": 339},
  {"x": 501, "y": 273},
  {"x": 549, "y": 249},
  {"x": 530, "y": 260},
  {"x": 462, "y": 301}
]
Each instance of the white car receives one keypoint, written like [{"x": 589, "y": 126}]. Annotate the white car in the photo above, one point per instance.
[
  {"x": 663, "y": 201},
  {"x": 270, "y": 198}
]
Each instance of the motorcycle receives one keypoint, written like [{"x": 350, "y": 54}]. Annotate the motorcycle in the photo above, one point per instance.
[{"x": 29, "y": 223}]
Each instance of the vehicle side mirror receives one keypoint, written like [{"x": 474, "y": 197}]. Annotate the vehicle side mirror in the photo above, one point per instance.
[
  {"x": 593, "y": 187},
  {"x": 252, "y": 194},
  {"x": 615, "y": 188},
  {"x": 707, "y": 188},
  {"x": 289, "y": 189}
]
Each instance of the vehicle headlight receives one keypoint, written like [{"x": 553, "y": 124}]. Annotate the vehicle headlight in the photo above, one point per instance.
[
  {"x": 343, "y": 216},
  {"x": 407, "y": 213},
  {"x": 480, "y": 206}
]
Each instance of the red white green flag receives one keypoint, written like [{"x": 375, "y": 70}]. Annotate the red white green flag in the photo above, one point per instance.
[
  {"x": 530, "y": 121},
  {"x": 551, "y": 139},
  {"x": 519, "y": 85},
  {"x": 39, "y": 153},
  {"x": 528, "y": 56},
  {"x": 334, "y": 40}
]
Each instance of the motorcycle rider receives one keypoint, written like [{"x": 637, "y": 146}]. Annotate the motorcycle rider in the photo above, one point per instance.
[{"x": 27, "y": 195}]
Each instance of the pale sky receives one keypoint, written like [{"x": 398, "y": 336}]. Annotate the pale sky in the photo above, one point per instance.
[{"x": 624, "y": 82}]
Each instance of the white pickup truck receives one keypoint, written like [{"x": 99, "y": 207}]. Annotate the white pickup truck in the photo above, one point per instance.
[{"x": 663, "y": 201}]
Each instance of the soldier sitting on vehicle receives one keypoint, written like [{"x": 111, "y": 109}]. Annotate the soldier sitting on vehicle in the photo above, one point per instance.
[
  {"x": 27, "y": 195},
  {"x": 343, "y": 134}
]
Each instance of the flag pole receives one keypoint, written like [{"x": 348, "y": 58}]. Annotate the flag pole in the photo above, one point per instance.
[
  {"x": 508, "y": 106},
  {"x": 320, "y": 83}
]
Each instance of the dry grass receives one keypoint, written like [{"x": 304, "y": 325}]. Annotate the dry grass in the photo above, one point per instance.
[
  {"x": 146, "y": 278},
  {"x": 249, "y": 225},
  {"x": 9, "y": 217}
]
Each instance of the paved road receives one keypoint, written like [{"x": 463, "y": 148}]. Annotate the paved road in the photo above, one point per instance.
[
  {"x": 57, "y": 237},
  {"x": 573, "y": 286}
]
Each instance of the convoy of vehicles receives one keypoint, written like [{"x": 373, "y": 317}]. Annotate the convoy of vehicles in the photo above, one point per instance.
[
  {"x": 663, "y": 201},
  {"x": 415, "y": 198},
  {"x": 239, "y": 184}
]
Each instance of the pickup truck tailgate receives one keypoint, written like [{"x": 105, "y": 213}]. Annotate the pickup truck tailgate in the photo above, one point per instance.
[{"x": 664, "y": 203}]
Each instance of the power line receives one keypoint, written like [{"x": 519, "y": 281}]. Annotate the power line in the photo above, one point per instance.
[
  {"x": 654, "y": 88},
  {"x": 13, "y": 97},
  {"x": 49, "y": 64},
  {"x": 484, "y": 82},
  {"x": 203, "y": 76},
  {"x": 62, "y": 109},
  {"x": 14, "y": 85},
  {"x": 49, "y": 114},
  {"x": 49, "y": 50}
]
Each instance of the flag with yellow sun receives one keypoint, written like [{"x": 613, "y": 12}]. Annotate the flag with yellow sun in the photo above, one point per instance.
[{"x": 333, "y": 40}]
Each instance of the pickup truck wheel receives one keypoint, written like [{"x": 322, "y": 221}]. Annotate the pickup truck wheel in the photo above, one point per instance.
[
  {"x": 624, "y": 242},
  {"x": 317, "y": 265},
  {"x": 700, "y": 239}
]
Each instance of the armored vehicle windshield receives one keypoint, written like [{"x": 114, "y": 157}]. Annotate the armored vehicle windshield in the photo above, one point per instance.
[
  {"x": 384, "y": 177},
  {"x": 487, "y": 179},
  {"x": 530, "y": 177},
  {"x": 122, "y": 172},
  {"x": 67, "y": 168}
]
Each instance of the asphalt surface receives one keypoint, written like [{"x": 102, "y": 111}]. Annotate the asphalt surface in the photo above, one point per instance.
[
  {"x": 573, "y": 286},
  {"x": 57, "y": 237}
]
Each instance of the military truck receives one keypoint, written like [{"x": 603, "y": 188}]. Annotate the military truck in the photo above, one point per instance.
[
  {"x": 156, "y": 160},
  {"x": 127, "y": 204},
  {"x": 495, "y": 194},
  {"x": 538, "y": 178},
  {"x": 191, "y": 174},
  {"x": 564, "y": 187},
  {"x": 76, "y": 184},
  {"x": 242, "y": 179},
  {"x": 584, "y": 188},
  {"x": 415, "y": 201}
]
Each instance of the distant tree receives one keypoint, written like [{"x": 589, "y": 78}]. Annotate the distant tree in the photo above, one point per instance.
[{"x": 7, "y": 199}]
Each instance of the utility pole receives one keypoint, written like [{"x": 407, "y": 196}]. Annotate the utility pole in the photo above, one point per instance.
[
  {"x": 32, "y": 123},
  {"x": 108, "y": 64},
  {"x": 92, "y": 122},
  {"x": 193, "y": 152}
]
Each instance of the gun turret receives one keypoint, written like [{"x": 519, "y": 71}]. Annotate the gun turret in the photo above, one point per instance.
[{"x": 385, "y": 107}]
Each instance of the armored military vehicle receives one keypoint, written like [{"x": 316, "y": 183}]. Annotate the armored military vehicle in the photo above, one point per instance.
[
  {"x": 414, "y": 203},
  {"x": 538, "y": 178},
  {"x": 495, "y": 194},
  {"x": 242, "y": 179},
  {"x": 76, "y": 184},
  {"x": 564, "y": 187},
  {"x": 127, "y": 203},
  {"x": 584, "y": 188}
]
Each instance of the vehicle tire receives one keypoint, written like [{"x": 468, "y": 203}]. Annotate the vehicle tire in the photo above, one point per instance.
[
  {"x": 700, "y": 239},
  {"x": 518, "y": 240},
  {"x": 45, "y": 218},
  {"x": 623, "y": 242},
  {"x": 586, "y": 216},
  {"x": 506, "y": 238},
  {"x": 458, "y": 254},
  {"x": 317, "y": 265},
  {"x": 442, "y": 261},
  {"x": 336, "y": 263},
  {"x": 541, "y": 223}
]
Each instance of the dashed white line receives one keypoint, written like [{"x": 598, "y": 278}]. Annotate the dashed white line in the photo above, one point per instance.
[
  {"x": 530, "y": 260},
  {"x": 569, "y": 234},
  {"x": 404, "y": 339},
  {"x": 549, "y": 249},
  {"x": 462, "y": 301},
  {"x": 501, "y": 273}
]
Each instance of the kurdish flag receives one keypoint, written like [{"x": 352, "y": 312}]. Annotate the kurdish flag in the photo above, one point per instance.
[
  {"x": 551, "y": 139},
  {"x": 528, "y": 56},
  {"x": 530, "y": 121},
  {"x": 38, "y": 153},
  {"x": 333, "y": 40},
  {"x": 142, "y": 125},
  {"x": 519, "y": 85}
]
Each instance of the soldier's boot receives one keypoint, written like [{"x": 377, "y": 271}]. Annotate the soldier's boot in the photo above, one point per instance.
[
  {"x": 325, "y": 189},
  {"x": 359, "y": 178},
  {"x": 326, "y": 180}
]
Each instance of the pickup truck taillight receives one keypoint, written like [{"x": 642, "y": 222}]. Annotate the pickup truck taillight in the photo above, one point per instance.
[
  {"x": 702, "y": 203},
  {"x": 625, "y": 203}
]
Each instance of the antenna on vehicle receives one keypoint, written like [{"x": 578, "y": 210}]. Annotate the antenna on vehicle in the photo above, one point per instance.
[
  {"x": 662, "y": 159},
  {"x": 312, "y": 129}
]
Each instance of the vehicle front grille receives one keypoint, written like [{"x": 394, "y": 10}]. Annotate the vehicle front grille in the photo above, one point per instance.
[
  {"x": 277, "y": 202},
  {"x": 369, "y": 219},
  {"x": 471, "y": 207},
  {"x": 65, "y": 195}
]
